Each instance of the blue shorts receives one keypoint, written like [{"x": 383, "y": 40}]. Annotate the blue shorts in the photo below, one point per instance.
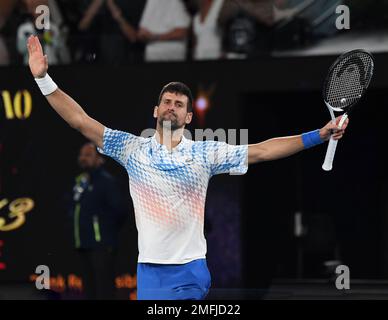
[{"x": 189, "y": 281}]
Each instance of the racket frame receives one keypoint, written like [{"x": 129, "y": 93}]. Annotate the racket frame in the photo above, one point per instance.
[{"x": 330, "y": 152}]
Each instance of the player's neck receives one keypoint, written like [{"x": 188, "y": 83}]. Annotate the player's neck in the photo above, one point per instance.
[{"x": 169, "y": 138}]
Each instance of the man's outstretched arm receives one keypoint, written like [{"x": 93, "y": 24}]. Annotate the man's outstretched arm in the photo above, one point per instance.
[
  {"x": 62, "y": 103},
  {"x": 278, "y": 148}
]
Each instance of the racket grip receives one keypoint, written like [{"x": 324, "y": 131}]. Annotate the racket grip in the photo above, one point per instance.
[{"x": 330, "y": 152}]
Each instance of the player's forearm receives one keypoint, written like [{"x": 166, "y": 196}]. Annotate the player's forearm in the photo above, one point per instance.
[
  {"x": 274, "y": 149},
  {"x": 63, "y": 104},
  {"x": 67, "y": 108},
  {"x": 283, "y": 147},
  {"x": 76, "y": 117}
]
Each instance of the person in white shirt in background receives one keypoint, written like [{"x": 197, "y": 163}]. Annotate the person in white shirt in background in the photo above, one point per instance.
[
  {"x": 208, "y": 37},
  {"x": 53, "y": 39},
  {"x": 164, "y": 28}
]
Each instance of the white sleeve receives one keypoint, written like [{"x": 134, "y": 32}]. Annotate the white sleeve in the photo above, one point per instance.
[
  {"x": 118, "y": 145},
  {"x": 226, "y": 158}
]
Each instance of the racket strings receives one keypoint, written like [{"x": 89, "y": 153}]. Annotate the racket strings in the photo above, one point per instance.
[{"x": 348, "y": 80}]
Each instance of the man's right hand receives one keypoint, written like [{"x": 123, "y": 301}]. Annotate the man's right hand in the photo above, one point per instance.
[
  {"x": 37, "y": 61},
  {"x": 145, "y": 35},
  {"x": 62, "y": 103}
]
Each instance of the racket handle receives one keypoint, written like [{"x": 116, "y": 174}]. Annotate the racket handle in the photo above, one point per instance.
[{"x": 330, "y": 152}]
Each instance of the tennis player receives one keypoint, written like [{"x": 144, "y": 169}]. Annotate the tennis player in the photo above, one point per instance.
[{"x": 168, "y": 177}]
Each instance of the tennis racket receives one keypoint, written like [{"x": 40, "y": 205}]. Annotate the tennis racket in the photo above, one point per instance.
[{"x": 345, "y": 85}]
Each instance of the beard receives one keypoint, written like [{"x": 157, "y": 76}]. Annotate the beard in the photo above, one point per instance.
[{"x": 170, "y": 121}]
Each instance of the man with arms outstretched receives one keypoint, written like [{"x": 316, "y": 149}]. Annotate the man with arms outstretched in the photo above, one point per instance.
[{"x": 168, "y": 177}]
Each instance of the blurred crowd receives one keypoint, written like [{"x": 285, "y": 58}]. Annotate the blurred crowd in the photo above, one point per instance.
[{"x": 131, "y": 31}]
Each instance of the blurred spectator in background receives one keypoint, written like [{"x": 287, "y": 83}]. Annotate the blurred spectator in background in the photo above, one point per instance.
[
  {"x": 124, "y": 18},
  {"x": 282, "y": 10},
  {"x": 320, "y": 15},
  {"x": 53, "y": 40},
  {"x": 208, "y": 36},
  {"x": 110, "y": 31},
  {"x": 87, "y": 45},
  {"x": 6, "y": 8},
  {"x": 164, "y": 28},
  {"x": 242, "y": 21},
  {"x": 58, "y": 19},
  {"x": 4, "y": 56},
  {"x": 117, "y": 32},
  {"x": 262, "y": 10},
  {"x": 98, "y": 211},
  {"x": 247, "y": 24}
]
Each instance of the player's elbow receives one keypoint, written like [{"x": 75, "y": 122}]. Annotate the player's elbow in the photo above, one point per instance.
[{"x": 257, "y": 153}]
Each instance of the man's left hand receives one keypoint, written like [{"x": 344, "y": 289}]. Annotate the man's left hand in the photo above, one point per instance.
[{"x": 332, "y": 129}]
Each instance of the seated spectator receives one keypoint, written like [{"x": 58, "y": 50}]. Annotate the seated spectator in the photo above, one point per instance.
[
  {"x": 112, "y": 24},
  {"x": 164, "y": 28},
  {"x": 208, "y": 38},
  {"x": 52, "y": 40}
]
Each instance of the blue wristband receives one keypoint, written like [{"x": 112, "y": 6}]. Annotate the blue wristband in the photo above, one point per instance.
[{"x": 311, "y": 139}]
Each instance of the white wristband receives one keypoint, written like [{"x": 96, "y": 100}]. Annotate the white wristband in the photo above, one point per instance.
[{"x": 46, "y": 85}]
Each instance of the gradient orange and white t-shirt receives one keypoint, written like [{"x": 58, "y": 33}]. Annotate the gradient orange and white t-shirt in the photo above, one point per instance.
[{"x": 168, "y": 189}]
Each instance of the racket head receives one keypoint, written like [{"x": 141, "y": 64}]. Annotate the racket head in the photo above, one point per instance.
[{"x": 348, "y": 80}]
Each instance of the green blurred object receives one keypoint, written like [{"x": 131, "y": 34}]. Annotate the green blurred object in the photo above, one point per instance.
[{"x": 48, "y": 37}]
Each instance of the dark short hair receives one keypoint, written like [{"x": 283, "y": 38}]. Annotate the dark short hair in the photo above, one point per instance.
[
  {"x": 180, "y": 88},
  {"x": 87, "y": 143}
]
